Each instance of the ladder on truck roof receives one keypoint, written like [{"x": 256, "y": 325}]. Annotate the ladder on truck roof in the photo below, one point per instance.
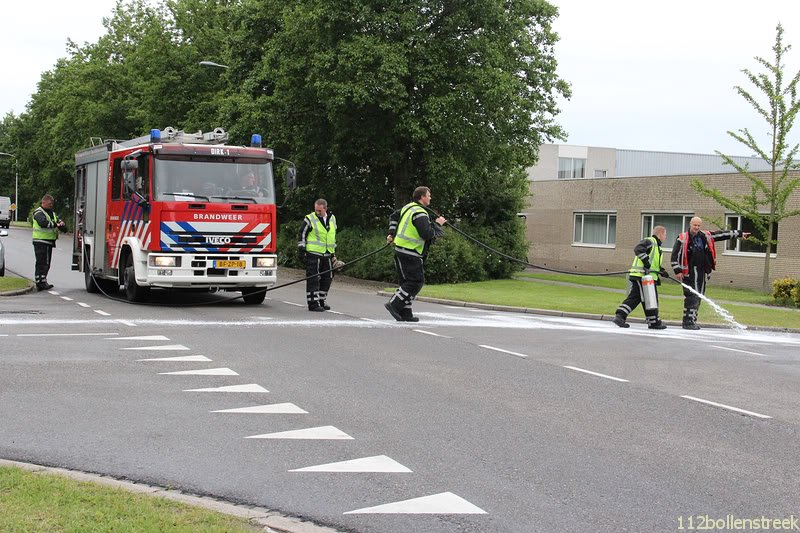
[{"x": 171, "y": 135}]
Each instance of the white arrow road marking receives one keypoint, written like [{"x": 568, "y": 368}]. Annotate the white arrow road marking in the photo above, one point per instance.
[
  {"x": 443, "y": 503},
  {"x": 163, "y": 347},
  {"x": 502, "y": 350},
  {"x": 379, "y": 463},
  {"x": 598, "y": 374},
  {"x": 142, "y": 338},
  {"x": 722, "y": 405},
  {"x": 203, "y": 372},
  {"x": 186, "y": 358},
  {"x": 274, "y": 409},
  {"x": 250, "y": 387},
  {"x": 740, "y": 351},
  {"x": 322, "y": 432}
]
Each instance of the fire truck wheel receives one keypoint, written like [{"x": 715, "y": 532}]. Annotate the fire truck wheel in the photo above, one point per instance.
[
  {"x": 133, "y": 291},
  {"x": 253, "y": 295}
]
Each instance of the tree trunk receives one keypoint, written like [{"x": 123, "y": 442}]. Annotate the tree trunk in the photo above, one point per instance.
[{"x": 765, "y": 281}]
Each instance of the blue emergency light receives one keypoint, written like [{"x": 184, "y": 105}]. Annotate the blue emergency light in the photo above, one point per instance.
[
  {"x": 155, "y": 136},
  {"x": 255, "y": 140}
]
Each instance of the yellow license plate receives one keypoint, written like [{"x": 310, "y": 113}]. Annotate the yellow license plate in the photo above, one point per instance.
[{"x": 230, "y": 264}]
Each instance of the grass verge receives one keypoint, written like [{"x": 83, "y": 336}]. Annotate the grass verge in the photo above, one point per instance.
[
  {"x": 717, "y": 293},
  {"x": 8, "y": 283},
  {"x": 594, "y": 300},
  {"x": 46, "y": 502}
]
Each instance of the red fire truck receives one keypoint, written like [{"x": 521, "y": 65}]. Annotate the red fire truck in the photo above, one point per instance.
[{"x": 176, "y": 210}]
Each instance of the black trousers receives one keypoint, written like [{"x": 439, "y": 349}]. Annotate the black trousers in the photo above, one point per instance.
[
  {"x": 411, "y": 271},
  {"x": 43, "y": 253},
  {"x": 318, "y": 285},
  {"x": 696, "y": 279},
  {"x": 634, "y": 298}
]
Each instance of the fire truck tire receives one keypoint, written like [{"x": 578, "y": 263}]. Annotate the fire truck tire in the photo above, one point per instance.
[
  {"x": 133, "y": 291},
  {"x": 89, "y": 280},
  {"x": 253, "y": 295}
]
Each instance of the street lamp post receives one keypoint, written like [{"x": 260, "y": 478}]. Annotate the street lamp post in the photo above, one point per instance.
[
  {"x": 16, "y": 185},
  {"x": 212, "y": 64}
]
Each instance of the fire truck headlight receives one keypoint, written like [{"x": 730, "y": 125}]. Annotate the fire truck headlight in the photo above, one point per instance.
[
  {"x": 265, "y": 262},
  {"x": 164, "y": 261}
]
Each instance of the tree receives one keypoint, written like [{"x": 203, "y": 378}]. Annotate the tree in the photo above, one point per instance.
[
  {"x": 779, "y": 108},
  {"x": 375, "y": 98}
]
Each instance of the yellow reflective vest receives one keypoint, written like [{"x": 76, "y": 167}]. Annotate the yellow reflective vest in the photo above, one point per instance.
[
  {"x": 407, "y": 235},
  {"x": 45, "y": 234},
  {"x": 321, "y": 240},
  {"x": 637, "y": 268}
]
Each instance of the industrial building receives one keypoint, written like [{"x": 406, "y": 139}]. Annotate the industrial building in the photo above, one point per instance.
[{"x": 589, "y": 206}]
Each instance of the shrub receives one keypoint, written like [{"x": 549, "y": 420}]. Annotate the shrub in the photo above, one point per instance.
[
  {"x": 452, "y": 258},
  {"x": 786, "y": 290}
]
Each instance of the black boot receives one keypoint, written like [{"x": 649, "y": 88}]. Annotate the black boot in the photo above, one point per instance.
[
  {"x": 619, "y": 320},
  {"x": 408, "y": 316},
  {"x": 393, "y": 309},
  {"x": 657, "y": 325}
]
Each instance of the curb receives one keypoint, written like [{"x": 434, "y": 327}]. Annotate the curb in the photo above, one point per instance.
[
  {"x": 272, "y": 521},
  {"x": 570, "y": 314}
]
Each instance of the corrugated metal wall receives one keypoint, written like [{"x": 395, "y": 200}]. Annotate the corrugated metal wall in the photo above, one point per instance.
[{"x": 632, "y": 163}]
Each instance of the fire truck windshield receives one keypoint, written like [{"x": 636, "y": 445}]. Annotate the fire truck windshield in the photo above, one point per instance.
[{"x": 213, "y": 179}]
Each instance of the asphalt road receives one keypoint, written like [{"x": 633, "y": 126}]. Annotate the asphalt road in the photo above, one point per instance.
[{"x": 477, "y": 420}]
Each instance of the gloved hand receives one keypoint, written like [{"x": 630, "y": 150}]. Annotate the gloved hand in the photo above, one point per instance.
[
  {"x": 301, "y": 254},
  {"x": 646, "y": 267},
  {"x": 663, "y": 273}
]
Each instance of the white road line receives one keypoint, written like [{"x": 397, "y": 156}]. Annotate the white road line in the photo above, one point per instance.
[
  {"x": 595, "y": 373},
  {"x": 142, "y": 337},
  {"x": 292, "y": 303},
  {"x": 127, "y": 323},
  {"x": 65, "y": 334},
  {"x": 373, "y": 320},
  {"x": 99, "y": 312},
  {"x": 67, "y": 298},
  {"x": 740, "y": 351},
  {"x": 722, "y": 405},
  {"x": 335, "y": 313},
  {"x": 433, "y": 334},
  {"x": 54, "y": 293},
  {"x": 83, "y": 304},
  {"x": 502, "y": 350}
]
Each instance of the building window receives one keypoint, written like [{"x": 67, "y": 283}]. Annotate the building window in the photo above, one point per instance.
[
  {"x": 595, "y": 229},
  {"x": 569, "y": 167},
  {"x": 739, "y": 245},
  {"x": 600, "y": 173},
  {"x": 674, "y": 223}
]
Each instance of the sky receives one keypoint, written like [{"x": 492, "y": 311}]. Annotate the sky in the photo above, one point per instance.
[{"x": 644, "y": 75}]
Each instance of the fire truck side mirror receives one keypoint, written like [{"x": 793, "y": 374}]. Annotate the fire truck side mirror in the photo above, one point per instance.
[{"x": 291, "y": 178}]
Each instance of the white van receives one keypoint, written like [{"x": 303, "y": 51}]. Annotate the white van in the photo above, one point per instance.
[{"x": 5, "y": 212}]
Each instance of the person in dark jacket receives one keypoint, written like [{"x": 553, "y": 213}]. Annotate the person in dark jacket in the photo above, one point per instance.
[
  {"x": 46, "y": 225},
  {"x": 647, "y": 260},
  {"x": 316, "y": 247},
  {"x": 412, "y": 231},
  {"x": 693, "y": 259}
]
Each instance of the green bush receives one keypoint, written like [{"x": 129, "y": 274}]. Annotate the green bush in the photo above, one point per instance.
[
  {"x": 452, "y": 258},
  {"x": 786, "y": 290}
]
